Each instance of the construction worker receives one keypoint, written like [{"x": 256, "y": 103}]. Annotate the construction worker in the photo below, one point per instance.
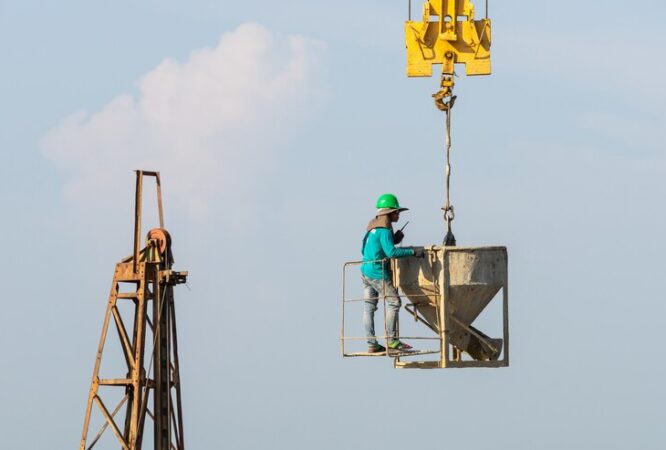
[{"x": 379, "y": 244}]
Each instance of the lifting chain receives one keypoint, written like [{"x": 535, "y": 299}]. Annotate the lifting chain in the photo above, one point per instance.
[{"x": 444, "y": 101}]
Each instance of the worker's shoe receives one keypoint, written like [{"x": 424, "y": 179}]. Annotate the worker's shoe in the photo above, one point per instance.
[
  {"x": 376, "y": 348},
  {"x": 400, "y": 346}
]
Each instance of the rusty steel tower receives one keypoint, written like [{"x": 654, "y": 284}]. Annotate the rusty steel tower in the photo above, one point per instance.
[{"x": 142, "y": 296}]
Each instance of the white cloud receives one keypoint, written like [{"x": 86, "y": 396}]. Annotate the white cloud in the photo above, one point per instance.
[{"x": 210, "y": 124}]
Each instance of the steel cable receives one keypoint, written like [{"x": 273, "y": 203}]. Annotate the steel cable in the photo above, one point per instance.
[{"x": 449, "y": 213}]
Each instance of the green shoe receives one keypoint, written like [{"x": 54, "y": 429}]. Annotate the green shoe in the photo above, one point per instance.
[{"x": 397, "y": 345}]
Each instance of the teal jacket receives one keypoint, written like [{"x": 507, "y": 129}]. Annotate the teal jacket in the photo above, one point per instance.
[{"x": 377, "y": 245}]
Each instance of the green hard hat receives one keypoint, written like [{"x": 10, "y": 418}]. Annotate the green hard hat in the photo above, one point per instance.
[{"x": 388, "y": 203}]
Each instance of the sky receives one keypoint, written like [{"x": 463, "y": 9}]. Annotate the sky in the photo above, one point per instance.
[{"x": 275, "y": 126}]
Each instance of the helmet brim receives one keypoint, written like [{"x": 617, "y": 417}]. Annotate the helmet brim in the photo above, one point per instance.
[{"x": 385, "y": 211}]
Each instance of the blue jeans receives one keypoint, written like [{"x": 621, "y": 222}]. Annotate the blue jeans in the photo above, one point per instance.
[{"x": 371, "y": 293}]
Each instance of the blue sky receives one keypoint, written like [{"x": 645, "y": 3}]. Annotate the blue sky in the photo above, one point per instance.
[{"x": 275, "y": 127}]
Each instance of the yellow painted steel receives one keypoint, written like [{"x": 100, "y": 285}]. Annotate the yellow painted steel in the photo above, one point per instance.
[{"x": 448, "y": 35}]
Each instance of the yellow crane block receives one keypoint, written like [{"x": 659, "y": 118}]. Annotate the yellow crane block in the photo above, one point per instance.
[{"x": 448, "y": 35}]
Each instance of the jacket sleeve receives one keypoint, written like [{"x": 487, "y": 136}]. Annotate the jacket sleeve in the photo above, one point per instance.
[{"x": 388, "y": 246}]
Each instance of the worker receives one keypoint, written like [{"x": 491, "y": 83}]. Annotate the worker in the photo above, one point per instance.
[{"x": 379, "y": 244}]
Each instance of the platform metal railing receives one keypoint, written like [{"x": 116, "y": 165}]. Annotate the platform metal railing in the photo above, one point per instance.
[{"x": 411, "y": 308}]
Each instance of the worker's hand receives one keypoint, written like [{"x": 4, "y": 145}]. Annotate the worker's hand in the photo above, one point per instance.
[
  {"x": 398, "y": 236},
  {"x": 418, "y": 252}
]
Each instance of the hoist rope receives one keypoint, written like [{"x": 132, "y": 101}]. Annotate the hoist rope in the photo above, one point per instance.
[
  {"x": 447, "y": 205},
  {"x": 449, "y": 213}
]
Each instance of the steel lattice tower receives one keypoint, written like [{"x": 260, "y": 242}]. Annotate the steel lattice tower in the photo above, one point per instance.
[{"x": 150, "y": 349}]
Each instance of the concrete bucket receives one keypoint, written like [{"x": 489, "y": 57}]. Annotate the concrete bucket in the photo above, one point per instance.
[{"x": 448, "y": 289}]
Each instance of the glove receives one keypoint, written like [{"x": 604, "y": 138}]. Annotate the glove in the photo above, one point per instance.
[
  {"x": 398, "y": 236},
  {"x": 418, "y": 252}
]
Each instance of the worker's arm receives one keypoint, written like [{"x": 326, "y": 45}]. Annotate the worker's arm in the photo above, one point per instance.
[{"x": 388, "y": 246}]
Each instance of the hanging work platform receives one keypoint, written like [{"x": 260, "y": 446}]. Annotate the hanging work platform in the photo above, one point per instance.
[
  {"x": 446, "y": 291},
  {"x": 449, "y": 288}
]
